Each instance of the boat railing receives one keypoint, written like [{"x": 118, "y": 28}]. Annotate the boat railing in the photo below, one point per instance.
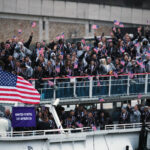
[
  {"x": 36, "y": 133},
  {"x": 42, "y": 132},
  {"x": 126, "y": 126},
  {"x": 93, "y": 86}
]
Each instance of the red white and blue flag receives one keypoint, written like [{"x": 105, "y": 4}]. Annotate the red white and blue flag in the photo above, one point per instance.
[
  {"x": 117, "y": 23},
  {"x": 33, "y": 24},
  {"x": 16, "y": 89},
  {"x": 19, "y": 31},
  {"x": 121, "y": 25},
  {"x": 94, "y": 26},
  {"x": 63, "y": 35}
]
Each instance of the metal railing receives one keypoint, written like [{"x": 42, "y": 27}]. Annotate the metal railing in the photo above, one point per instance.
[
  {"x": 36, "y": 133},
  {"x": 125, "y": 126},
  {"x": 93, "y": 86}
]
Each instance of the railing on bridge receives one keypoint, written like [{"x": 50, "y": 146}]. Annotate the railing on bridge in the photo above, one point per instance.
[{"x": 93, "y": 86}]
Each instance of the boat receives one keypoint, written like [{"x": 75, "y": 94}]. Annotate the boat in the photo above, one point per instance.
[{"x": 113, "y": 90}]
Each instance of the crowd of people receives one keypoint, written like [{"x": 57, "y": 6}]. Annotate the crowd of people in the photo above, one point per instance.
[
  {"x": 120, "y": 54},
  {"x": 83, "y": 116},
  {"x": 93, "y": 118}
]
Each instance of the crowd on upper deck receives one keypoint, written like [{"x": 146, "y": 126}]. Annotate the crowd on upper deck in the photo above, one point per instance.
[{"x": 120, "y": 54}]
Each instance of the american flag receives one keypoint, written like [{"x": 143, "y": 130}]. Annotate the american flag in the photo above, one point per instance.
[
  {"x": 50, "y": 83},
  {"x": 75, "y": 65},
  {"x": 98, "y": 83},
  {"x": 121, "y": 25},
  {"x": 94, "y": 26},
  {"x": 17, "y": 89},
  {"x": 63, "y": 35},
  {"x": 101, "y": 100},
  {"x": 117, "y": 23},
  {"x": 41, "y": 52},
  {"x": 139, "y": 96},
  {"x": 137, "y": 44},
  {"x": 19, "y": 31},
  {"x": 131, "y": 75},
  {"x": 33, "y": 24},
  {"x": 88, "y": 48},
  {"x": 96, "y": 50},
  {"x": 122, "y": 62},
  {"x": 114, "y": 29},
  {"x": 57, "y": 69},
  {"x": 94, "y": 128},
  {"x": 83, "y": 41},
  {"x": 58, "y": 37},
  {"x": 122, "y": 50},
  {"x": 80, "y": 125},
  {"x": 115, "y": 74}
]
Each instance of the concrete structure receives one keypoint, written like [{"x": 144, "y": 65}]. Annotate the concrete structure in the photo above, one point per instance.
[{"x": 55, "y": 16}]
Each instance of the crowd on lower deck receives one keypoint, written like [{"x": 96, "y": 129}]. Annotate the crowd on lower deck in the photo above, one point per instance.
[{"x": 83, "y": 116}]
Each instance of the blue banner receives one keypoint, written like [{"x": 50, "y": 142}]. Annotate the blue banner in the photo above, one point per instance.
[{"x": 23, "y": 117}]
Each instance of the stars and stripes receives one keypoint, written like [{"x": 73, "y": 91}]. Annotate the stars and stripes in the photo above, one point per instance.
[
  {"x": 17, "y": 89},
  {"x": 101, "y": 100},
  {"x": 121, "y": 25},
  {"x": 117, "y": 23},
  {"x": 50, "y": 83},
  {"x": 63, "y": 35},
  {"x": 94, "y": 26},
  {"x": 33, "y": 25},
  {"x": 19, "y": 31}
]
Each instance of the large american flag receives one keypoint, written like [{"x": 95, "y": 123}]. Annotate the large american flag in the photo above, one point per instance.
[{"x": 17, "y": 89}]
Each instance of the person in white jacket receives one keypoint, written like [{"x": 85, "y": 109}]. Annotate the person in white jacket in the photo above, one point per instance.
[{"x": 5, "y": 125}]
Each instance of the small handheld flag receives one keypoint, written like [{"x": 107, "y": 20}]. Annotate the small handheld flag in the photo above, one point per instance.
[
  {"x": 88, "y": 48},
  {"x": 57, "y": 69},
  {"x": 101, "y": 100},
  {"x": 116, "y": 22},
  {"x": 131, "y": 75},
  {"x": 96, "y": 50},
  {"x": 98, "y": 83},
  {"x": 50, "y": 83},
  {"x": 115, "y": 74},
  {"x": 122, "y": 50},
  {"x": 139, "y": 96},
  {"x": 41, "y": 52},
  {"x": 58, "y": 37},
  {"x": 75, "y": 65},
  {"x": 121, "y": 25},
  {"x": 122, "y": 62},
  {"x": 94, "y": 26},
  {"x": 33, "y": 24},
  {"x": 63, "y": 35},
  {"x": 19, "y": 31}
]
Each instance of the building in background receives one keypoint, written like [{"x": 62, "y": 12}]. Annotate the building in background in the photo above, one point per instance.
[{"x": 73, "y": 17}]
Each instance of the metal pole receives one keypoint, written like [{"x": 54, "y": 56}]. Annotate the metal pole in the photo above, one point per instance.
[
  {"x": 56, "y": 118},
  {"x": 109, "y": 93},
  {"x": 146, "y": 83},
  {"x": 128, "y": 85},
  {"x": 91, "y": 86}
]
